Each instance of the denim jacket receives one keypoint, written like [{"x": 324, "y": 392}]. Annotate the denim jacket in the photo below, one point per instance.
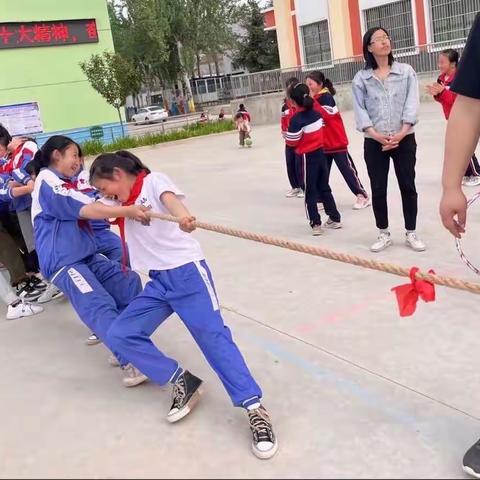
[{"x": 386, "y": 105}]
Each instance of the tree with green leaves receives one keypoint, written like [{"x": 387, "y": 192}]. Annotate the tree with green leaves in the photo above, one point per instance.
[
  {"x": 258, "y": 50},
  {"x": 113, "y": 77}
]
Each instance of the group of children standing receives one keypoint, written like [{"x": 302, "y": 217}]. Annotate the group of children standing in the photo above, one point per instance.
[
  {"x": 315, "y": 137},
  {"x": 70, "y": 209}
]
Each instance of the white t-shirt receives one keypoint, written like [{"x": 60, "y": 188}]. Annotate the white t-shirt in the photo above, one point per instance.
[{"x": 161, "y": 245}]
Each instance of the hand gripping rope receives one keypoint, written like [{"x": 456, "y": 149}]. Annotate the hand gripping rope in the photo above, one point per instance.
[{"x": 421, "y": 284}]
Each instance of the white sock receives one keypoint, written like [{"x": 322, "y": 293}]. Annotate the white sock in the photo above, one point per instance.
[{"x": 254, "y": 406}]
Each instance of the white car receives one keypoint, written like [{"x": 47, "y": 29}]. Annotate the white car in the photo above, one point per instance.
[{"x": 149, "y": 115}]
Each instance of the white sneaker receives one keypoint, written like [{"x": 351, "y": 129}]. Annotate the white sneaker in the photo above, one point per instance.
[
  {"x": 333, "y": 225},
  {"x": 22, "y": 310},
  {"x": 113, "y": 361},
  {"x": 383, "y": 241},
  {"x": 293, "y": 192},
  {"x": 301, "y": 193},
  {"x": 132, "y": 376},
  {"x": 414, "y": 242},
  {"x": 51, "y": 293},
  {"x": 471, "y": 181},
  {"x": 92, "y": 340},
  {"x": 362, "y": 202},
  {"x": 320, "y": 206},
  {"x": 317, "y": 230}
]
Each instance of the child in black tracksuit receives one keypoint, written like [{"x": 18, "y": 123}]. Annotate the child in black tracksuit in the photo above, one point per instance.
[{"x": 305, "y": 133}]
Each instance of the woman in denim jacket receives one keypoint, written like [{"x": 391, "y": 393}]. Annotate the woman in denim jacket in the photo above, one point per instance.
[{"x": 386, "y": 101}]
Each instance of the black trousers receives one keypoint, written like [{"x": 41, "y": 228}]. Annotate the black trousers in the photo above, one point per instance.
[
  {"x": 378, "y": 165},
  {"x": 348, "y": 170},
  {"x": 294, "y": 168},
  {"x": 316, "y": 186},
  {"x": 473, "y": 169}
]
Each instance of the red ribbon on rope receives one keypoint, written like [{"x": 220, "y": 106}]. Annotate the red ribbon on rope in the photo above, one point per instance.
[{"x": 408, "y": 294}]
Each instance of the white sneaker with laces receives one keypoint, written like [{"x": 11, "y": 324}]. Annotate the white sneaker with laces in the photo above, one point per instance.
[
  {"x": 333, "y": 225},
  {"x": 414, "y": 242},
  {"x": 471, "y": 181},
  {"x": 301, "y": 193},
  {"x": 317, "y": 230},
  {"x": 132, "y": 376},
  {"x": 383, "y": 242},
  {"x": 293, "y": 193},
  {"x": 362, "y": 202},
  {"x": 22, "y": 309},
  {"x": 51, "y": 293}
]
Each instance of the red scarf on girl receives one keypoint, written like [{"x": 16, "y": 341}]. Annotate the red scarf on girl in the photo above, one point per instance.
[{"x": 134, "y": 194}]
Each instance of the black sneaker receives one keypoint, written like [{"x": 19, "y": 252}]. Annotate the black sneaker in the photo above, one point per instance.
[
  {"x": 27, "y": 291},
  {"x": 471, "y": 460},
  {"x": 38, "y": 283},
  {"x": 264, "y": 444},
  {"x": 185, "y": 396}
]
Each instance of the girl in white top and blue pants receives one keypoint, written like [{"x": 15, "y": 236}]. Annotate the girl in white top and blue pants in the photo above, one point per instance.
[{"x": 180, "y": 282}]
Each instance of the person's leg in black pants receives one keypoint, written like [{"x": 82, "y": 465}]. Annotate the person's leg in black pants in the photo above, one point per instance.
[
  {"x": 404, "y": 160},
  {"x": 472, "y": 173},
  {"x": 378, "y": 165},
  {"x": 312, "y": 172},
  {"x": 349, "y": 172},
  {"x": 299, "y": 167},
  {"x": 324, "y": 190},
  {"x": 291, "y": 160}
]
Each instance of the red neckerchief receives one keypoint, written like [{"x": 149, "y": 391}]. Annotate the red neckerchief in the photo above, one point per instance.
[
  {"x": 134, "y": 194},
  {"x": 82, "y": 222}
]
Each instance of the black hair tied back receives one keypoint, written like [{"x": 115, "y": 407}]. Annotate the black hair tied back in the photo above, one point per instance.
[{"x": 300, "y": 94}]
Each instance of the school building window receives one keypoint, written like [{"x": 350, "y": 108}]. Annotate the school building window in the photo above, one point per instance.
[
  {"x": 316, "y": 42},
  {"x": 396, "y": 18},
  {"x": 452, "y": 19}
]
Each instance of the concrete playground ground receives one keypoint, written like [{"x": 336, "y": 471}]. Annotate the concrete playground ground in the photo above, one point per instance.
[{"x": 354, "y": 390}]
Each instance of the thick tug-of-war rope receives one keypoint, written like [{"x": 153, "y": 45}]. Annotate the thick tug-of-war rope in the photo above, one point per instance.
[{"x": 332, "y": 255}]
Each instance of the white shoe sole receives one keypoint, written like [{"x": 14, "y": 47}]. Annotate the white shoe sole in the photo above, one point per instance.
[
  {"x": 175, "y": 417},
  {"x": 317, "y": 234},
  {"x": 265, "y": 455},
  {"x": 366, "y": 205},
  {"x": 415, "y": 249},
  {"x": 91, "y": 343},
  {"x": 470, "y": 472},
  {"x": 334, "y": 227},
  {"x": 134, "y": 382},
  {"x": 377, "y": 250}
]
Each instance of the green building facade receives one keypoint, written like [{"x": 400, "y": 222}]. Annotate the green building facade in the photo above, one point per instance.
[{"x": 40, "y": 50}]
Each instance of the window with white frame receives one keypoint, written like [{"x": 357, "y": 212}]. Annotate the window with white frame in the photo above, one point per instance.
[
  {"x": 452, "y": 19},
  {"x": 316, "y": 42},
  {"x": 396, "y": 18}
]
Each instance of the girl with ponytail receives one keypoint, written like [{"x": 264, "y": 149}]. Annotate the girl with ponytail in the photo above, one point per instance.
[
  {"x": 97, "y": 288},
  {"x": 180, "y": 282},
  {"x": 305, "y": 134},
  {"x": 336, "y": 140}
]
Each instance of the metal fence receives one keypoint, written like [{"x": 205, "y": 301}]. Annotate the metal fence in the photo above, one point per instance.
[{"x": 422, "y": 58}]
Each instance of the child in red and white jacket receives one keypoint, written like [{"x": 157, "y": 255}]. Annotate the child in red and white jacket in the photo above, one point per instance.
[
  {"x": 305, "y": 134},
  {"x": 294, "y": 162},
  {"x": 447, "y": 64},
  {"x": 336, "y": 140}
]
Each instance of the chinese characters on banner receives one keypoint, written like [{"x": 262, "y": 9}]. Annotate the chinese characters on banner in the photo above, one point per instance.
[{"x": 51, "y": 33}]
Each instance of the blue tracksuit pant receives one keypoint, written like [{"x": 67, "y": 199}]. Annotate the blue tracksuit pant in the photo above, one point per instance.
[
  {"x": 109, "y": 244},
  {"x": 98, "y": 290},
  {"x": 188, "y": 291}
]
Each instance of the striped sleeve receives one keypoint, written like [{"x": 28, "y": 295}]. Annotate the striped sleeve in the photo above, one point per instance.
[{"x": 294, "y": 133}]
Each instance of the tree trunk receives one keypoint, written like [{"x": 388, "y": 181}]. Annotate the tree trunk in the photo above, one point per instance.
[
  {"x": 121, "y": 121},
  {"x": 217, "y": 68},
  {"x": 199, "y": 62},
  {"x": 209, "y": 67}
]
